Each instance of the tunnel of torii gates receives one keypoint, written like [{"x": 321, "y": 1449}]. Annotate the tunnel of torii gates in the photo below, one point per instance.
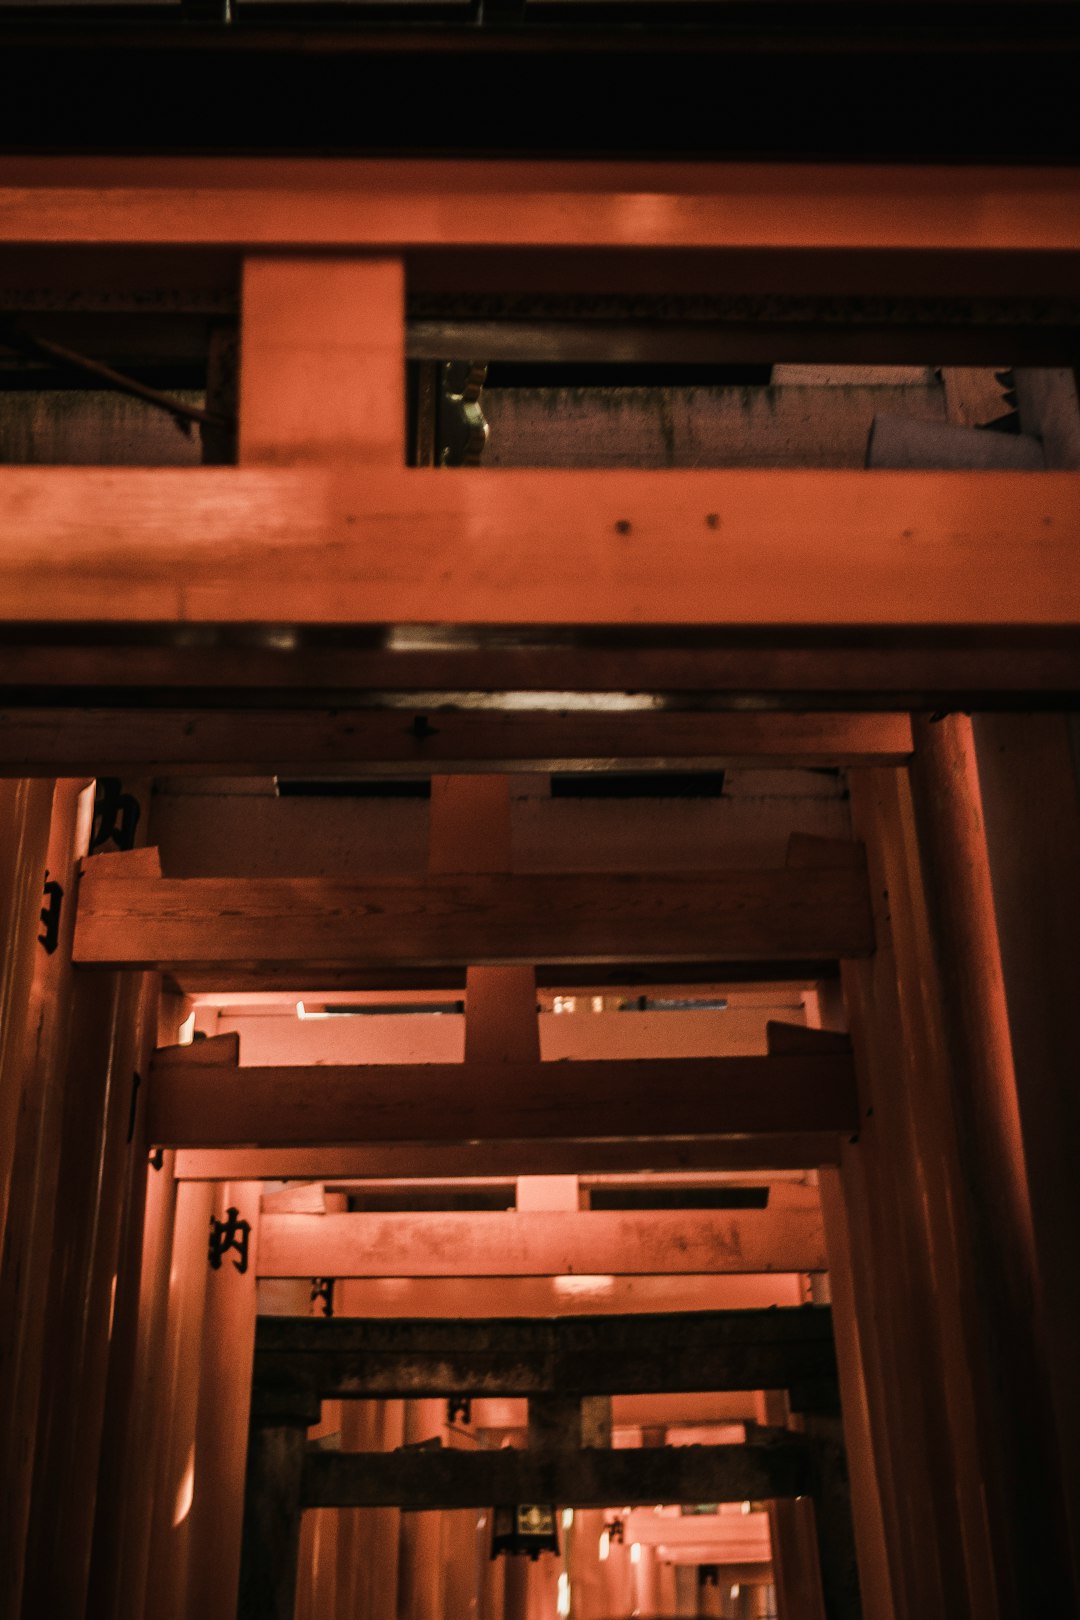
[{"x": 697, "y": 1174}]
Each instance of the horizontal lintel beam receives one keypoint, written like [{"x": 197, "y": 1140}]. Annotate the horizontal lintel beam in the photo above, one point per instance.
[
  {"x": 319, "y": 924},
  {"x": 727, "y": 550},
  {"x": 302, "y": 740},
  {"x": 651, "y": 1353},
  {"x": 487, "y": 1243},
  {"x": 923, "y": 211},
  {"x": 781, "y": 1151},
  {"x": 196, "y": 1103},
  {"x": 593, "y": 1478}
]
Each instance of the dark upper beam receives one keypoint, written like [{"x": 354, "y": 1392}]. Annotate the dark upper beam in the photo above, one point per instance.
[
  {"x": 200, "y": 1097},
  {"x": 345, "y": 741},
  {"x": 95, "y": 669},
  {"x": 589, "y": 1478},
  {"x": 353, "y": 1358}
]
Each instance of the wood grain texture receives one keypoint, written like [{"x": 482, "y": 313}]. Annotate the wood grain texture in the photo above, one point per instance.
[
  {"x": 195, "y": 1104},
  {"x": 820, "y": 914},
  {"x": 724, "y": 549},
  {"x": 544, "y": 1244}
]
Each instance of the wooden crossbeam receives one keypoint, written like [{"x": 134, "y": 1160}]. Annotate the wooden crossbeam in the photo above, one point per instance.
[
  {"x": 828, "y": 550},
  {"x": 542, "y": 1244},
  {"x": 794, "y": 670},
  {"x": 651, "y": 1353},
  {"x": 924, "y": 212},
  {"x": 587, "y": 1478},
  {"x": 319, "y": 924},
  {"x": 300, "y": 741},
  {"x": 778, "y": 1151},
  {"x": 200, "y": 1097}
]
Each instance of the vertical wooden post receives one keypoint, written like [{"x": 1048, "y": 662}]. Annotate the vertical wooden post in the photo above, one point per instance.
[
  {"x": 1030, "y": 795},
  {"x": 110, "y": 1034},
  {"x": 322, "y": 362},
  {"x": 419, "y": 1569},
  {"x": 911, "y": 1245},
  {"x": 277, "y": 1444},
  {"x": 149, "y": 1396},
  {"x": 874, "y": 1573},
  {"x": 221, "y": 1430},
  {"x": 174, "y": 1487},
  {"x": 26, "y": 812},
  {"x": 48, "y": 828}
]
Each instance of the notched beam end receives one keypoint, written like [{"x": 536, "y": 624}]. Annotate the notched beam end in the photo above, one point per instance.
[{"x": 198, "y": 1054}]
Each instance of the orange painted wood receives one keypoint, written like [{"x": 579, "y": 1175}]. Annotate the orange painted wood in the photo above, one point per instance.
[
  {"x": 226, "y": 1355},
  {"x": 724, "y": 549},
  {"x": 194, "y": 1103},
  {"x": 110, "y": 1033},
  {"x": 322, "y": 375},
  {"x": 998, "y": 1165},
  {"x": 875, "y": 1580},
  {"x": 910, "y": 1228},
  {"x": 294, "y": 741},
  {"x": 241, "y": 202},
  {"x": 174, "y": 1485},
  {"x": 548, "y": 1243},
  {"x": 25, "y": 813},
  {"x": 46, "y": 826},
  {"x": 594, "y": 1295},
  {"x": 263, "y": 922},
  {"x": 1027, "y": 772},
  {"x": 129, "y": 1541}
]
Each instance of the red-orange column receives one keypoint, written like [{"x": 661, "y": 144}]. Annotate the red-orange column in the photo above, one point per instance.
[
  {"x": 174, "y": 1490},
  {"x": 111, "y": 1027},
  {"x": 930, "y": 1398},
  {"x": 46, "y": 828},
  {"x": 999, "y": 822}
]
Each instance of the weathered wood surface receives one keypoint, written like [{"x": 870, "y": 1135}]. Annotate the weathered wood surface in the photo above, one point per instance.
[
  {"x": 654, "y": 1353},
  {"x": 348, "y": 741},
  {"x": 820, "y": 914},
  {"x": 588, "y": 1478},
  {"x": 195, "y": 1101},
  {"x": 389, "y": 203},
  {"x": 763, "y": 426},
  {"x": 514, "y": 1243},
  {"x": 723, "y": 549}
]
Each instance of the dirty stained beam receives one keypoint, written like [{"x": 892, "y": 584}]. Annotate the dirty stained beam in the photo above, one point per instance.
[
  {"x": 201, "y": 1098},
  {"x": 353, "y": 741},
  {"x": 652, "y": 1353},
  {"x": 513, "y": 1243},
  {"x": 951, "y": 552},
  {"x": 588, "y": 1478},
  {"x": 320, "y": 924}
]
